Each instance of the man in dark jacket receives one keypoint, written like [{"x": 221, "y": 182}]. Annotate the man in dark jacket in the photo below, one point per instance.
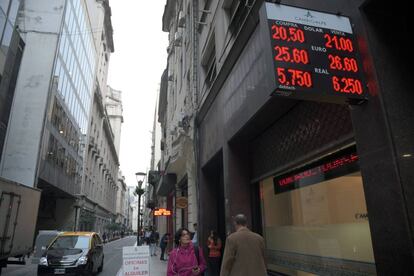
[{"x": 163, "y": 245}]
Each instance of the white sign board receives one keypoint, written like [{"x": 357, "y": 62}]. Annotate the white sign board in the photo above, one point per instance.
[
  {"x": 135, "y": 261},
  {"x": 308, "y": 17}
]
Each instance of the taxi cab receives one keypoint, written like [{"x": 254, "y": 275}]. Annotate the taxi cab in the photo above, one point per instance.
[{"x": 73, "y": 253}]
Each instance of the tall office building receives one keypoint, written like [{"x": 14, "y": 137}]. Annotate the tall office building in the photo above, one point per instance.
[
  {"x": 44, "y": 145},
  {"x": 11, "y": 51}
]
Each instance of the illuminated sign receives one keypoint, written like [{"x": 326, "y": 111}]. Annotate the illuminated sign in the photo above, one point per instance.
[
  {"x": 315, "y": 55},
  {"x": 317, "y": 172},
  {"x": 162, "y": 212}
]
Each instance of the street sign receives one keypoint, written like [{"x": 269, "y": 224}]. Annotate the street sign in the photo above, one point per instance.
[
  {"x": 315, "y": 55},
  {"x": 181, "y": 202},
  {"x": 135, "y": 260}
]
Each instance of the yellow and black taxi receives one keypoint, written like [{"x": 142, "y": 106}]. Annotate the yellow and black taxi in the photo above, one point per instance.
[{"x": 73, "y": 253}]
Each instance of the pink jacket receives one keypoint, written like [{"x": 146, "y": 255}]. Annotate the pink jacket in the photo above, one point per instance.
[{"x": 183, "y": 259}]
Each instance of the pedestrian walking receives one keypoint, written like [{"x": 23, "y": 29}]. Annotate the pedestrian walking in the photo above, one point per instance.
[
  {"x": 154, "y": 238},
  {"x": 214, "y": 254},
  {"x": 147, "y": 236},
  {"x": 185, "y": 259},
  {"x": 104, "y": 237},
  {"x": 163, "y": 245},
  {"x": 244, "y": 251}
]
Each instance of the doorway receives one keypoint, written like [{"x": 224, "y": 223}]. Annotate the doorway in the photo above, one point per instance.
[{"x": 213, "y": 198}]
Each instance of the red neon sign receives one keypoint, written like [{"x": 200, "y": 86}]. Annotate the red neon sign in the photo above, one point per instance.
[
  {"x": 162, "y": 212},
  {"x": 313, "y": 63},
  {"x": 313, "y": 175}
]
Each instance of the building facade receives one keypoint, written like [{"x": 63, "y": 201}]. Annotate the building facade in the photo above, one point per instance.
[
  {"x": 11, "y": 52},
  {"x": 51, "y": 108},
  {"x": 59, "y": 137},
  {"x": 176, "y": 116},
  {"x": 312, "y": 176},
  {"x": 100, "y": 179},
  {"x": 120, "y": 201}
]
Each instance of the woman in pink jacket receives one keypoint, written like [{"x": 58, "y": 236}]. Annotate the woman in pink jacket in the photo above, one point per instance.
[{"x": 183, "y": 260}]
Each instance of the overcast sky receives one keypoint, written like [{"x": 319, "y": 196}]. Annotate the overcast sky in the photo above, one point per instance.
[{"x": 135, "y": 68}]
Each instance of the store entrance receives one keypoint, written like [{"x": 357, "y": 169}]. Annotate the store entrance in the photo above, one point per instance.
[{"x": 213, "y": 203}]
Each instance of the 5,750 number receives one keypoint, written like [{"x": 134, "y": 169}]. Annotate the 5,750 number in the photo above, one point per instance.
[{"x": 293, "y": 77}]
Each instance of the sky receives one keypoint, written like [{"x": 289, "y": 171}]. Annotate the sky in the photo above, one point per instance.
[{"x": 135, "y": 68}]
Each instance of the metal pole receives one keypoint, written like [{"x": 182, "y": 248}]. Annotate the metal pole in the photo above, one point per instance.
[{"x": 138, "y": 223}]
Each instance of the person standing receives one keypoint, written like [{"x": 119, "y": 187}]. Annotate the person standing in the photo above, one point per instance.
[
  {"x": 214, "y": 254},
  {"x": 194, "y": 237},
  {"x": 154, "y": 238},
  {"x": 185, "y": 259},
  {"x": 163, "y": 245},
  {"x": 244, "y": 251},
  {"x": 147, "y": 236}
]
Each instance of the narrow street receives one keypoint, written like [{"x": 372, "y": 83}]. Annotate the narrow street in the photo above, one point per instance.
[{"x": 113, "y": 261}]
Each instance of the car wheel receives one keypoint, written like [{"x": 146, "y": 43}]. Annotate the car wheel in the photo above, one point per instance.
[
  {"x": 100, "y": 268},
  {"x": 89, "y": 271}
]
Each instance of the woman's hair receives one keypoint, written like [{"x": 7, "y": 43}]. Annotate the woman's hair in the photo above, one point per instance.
[
  {"x": 214, "y": 236},
  {"x": 177, "y": 236}
]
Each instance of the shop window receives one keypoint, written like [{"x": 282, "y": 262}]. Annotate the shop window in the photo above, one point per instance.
[{"x": 316, "y": 220}]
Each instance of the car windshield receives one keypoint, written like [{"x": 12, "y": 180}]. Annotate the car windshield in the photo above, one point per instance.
[{"x": 68, "y": 242}]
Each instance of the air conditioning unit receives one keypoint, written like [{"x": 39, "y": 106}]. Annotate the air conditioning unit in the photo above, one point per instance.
[
  {"x": 181, "y": 19},
  {"x": 178, "y": 39}
]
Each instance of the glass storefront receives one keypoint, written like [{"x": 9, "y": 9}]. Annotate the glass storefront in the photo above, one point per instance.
[{"x": 316, "y": 221}]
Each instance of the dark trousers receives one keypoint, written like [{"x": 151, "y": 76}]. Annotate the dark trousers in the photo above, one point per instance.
[
  {"x": 214, "y": 265},
  {"x": 162, "y": 252}
]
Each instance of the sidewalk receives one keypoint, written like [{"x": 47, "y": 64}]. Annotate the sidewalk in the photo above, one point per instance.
[{"x": 158, "y": 267}]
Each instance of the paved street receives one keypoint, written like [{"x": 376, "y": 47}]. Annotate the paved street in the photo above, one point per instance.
[{"x": 112, "y": 266}]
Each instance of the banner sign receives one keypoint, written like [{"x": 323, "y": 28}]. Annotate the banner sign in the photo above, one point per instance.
[{"x": 135, "y": 261}]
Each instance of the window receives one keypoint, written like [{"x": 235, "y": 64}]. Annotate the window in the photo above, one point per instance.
[
  {"x": 2, "y": 20},
  {"x": 209, "y": 61},
  {"x": 318, "y": 213},
  {"x": 8, "y": 31},
  {"x": 211, "y": 70},
  {"x": 237, "y": 11}
]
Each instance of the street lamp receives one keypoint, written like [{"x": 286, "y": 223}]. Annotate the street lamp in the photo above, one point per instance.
[{"x": 139, "y": 191}]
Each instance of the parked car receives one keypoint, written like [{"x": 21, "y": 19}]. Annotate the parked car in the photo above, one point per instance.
[{"x": 73, "y": 253}]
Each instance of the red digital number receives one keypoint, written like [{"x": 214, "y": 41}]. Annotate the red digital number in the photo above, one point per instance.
[
  {"x": 295, "y": 55},
  {"x": 339, "y": 43},
  {"x": 347, "y": 85},
  {"x": 293, "y": 77},
  {"x": 287, "y": 34},
  {"x": 344, "y": 64}
]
